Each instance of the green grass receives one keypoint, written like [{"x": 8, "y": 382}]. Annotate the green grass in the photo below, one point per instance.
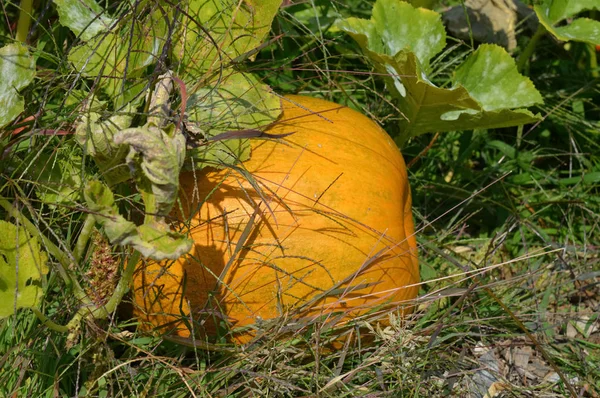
[{"x": 508, "y": 227}]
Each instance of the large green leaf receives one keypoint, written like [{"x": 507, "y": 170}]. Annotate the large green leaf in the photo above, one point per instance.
[
  {"x": 57, "y": 177},
  {"x": 22, "y": 265},
  {"x": 396, "y": 26},
  {"x": 154, "y": 240},
  {"x": 85, "y": 18},
  {"x": 234, "y": 103},
  {"x": 117, "y": 58},
  {"x": 219, "y": 31},
  {"x": 554, "y": 13},
  {"x": 17, "y": 69},
  {"x": 486, "y": 90}
]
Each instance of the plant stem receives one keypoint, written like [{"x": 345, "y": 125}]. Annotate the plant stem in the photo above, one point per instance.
[
  {"x": 593, "y": 60},
  {"x": 49, "y": 323},
  {"x": 528, "y": 51},
  {"x": 84, "y": 236},
  {"x": 24, "y": 20}
]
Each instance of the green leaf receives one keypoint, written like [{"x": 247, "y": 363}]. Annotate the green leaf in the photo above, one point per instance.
[
  {"x": 22, "y": 265},
  {"x": 154, "y": 240},
  {"x": 57, "y": 177},
  {"x": 485, "y": 90},
  {"x": 553, "y": 13},
  {"x": 17, "y": 69},
  {"x": 85, "y": 18},
  {"x": 236, "y": 102},
  {"x": 118, "y": 57},
  {"x": 396, "y": 26},
  {"x": 491, "y": 77},
  {"x": 219, "y": 31}
]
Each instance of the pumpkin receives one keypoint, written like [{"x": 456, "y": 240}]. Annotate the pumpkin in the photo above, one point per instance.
[{"x": 318, "y": 222}]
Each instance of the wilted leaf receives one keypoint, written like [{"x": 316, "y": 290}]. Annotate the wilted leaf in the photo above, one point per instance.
[
  {"x": 159, "y": 157},
  {"x": 85, "y": 18},
  {"x": 553, "y": 13},
  {"x": 96, "y": 137},
  {"x": 220, "y": 31},
  {"x": 237, "y": 102},
  {"x": 154, "y": 241},
  {"x": 22, "y": 265},
  {"x": 18, "y": 70}
]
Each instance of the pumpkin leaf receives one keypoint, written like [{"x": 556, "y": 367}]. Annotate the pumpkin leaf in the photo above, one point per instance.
[
  {"x": 119, "y": 63},
  {"x": 396, "y": 26},
  {"x": 57, "y": 177},
  {"x": 18, "y": 70},
  {"x": 22, "y": 265},
  {"x": 491, "y": 77},
  {"x": 553, "y": 13},
  {"x": 96, "y": 137},
  {"x": 85, "y": 18},
  {"x": 236, "y": 28},
  {"x": 153, "y": 240},
  {"x": 233, "y": 103},
  {"x": 486, "y": 91},
  {"x": 155, "y": 159}
]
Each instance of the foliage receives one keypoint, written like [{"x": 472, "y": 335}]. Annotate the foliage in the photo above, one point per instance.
[
  {"x": 402, "y": 40},
  {"x": 23, "y": 288},
  {"x": 506, "y": 201},
  {"x": 552, "y": 13}
]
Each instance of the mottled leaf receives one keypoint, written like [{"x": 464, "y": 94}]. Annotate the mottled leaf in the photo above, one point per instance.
[
  {"x": 57, "y": 177},
  {"x": 158, "y": 156},
  {"x": 17, "y": 69},
  {"x": 96, "y": 136},
  {"x": 22, "y": 265}
]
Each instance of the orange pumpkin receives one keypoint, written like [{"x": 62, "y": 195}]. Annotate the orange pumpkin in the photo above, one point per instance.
[{"x": 324, "y": 225}]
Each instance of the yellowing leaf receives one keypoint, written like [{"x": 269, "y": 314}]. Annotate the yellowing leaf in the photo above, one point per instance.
[{"x": 22, "y": 265}]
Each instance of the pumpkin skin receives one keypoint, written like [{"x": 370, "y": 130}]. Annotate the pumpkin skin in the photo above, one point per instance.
[{"x": 333, "y": 211}]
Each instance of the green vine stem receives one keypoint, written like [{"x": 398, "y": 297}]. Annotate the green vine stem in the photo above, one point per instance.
[
  {"x": 84, "y": 237},
  {"x": 48, "y": 323},
  {"x": 528, "y": 51},
  {"x": 24, "y": 20},
  {"x": 593, "y": 60}
]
